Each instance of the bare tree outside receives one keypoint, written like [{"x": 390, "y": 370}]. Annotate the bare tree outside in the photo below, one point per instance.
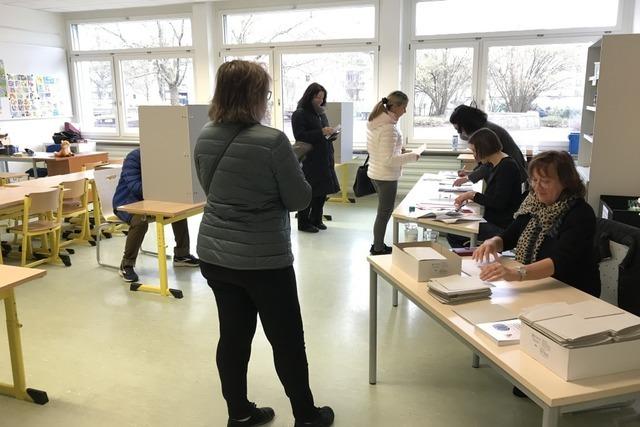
[
  {"x": 520, "y": 76},
  {"x": 442, "y": 74}
]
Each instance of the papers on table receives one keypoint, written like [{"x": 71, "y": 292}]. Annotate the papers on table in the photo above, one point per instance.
[
  {"x": 484, "y": 312},
  {"x": 455, "y": 289},
  {"x": 583, "y": 324}
]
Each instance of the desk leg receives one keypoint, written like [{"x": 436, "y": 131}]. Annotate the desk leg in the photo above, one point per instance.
[
  {"x": 396, "y": 232},
  {"x": 373, "y": 324},
  {"x": 164, "y": 289},
  {"x": 550, "y": 416},
  {"x": 35, "y": 168},
  {"x": 18, "y": 389},
  {"x": 473, "y": 241}
]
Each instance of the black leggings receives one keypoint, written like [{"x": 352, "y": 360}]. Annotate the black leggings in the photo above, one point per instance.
[{"x": 241, "y": 295}]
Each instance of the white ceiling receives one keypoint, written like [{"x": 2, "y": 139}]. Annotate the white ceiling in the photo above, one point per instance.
[{"x": 61, "y": 6}]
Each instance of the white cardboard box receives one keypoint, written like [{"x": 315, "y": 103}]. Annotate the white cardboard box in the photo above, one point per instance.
[
  {"x": 577, "y": 363},
  {"x": 425, "y": 269}
]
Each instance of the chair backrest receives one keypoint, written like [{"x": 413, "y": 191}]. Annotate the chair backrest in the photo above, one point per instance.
[
  {"x": 75, "y": 189},
  {"x": 618, "y": 249},
  {"x": 43, "y": 202},
  {"x": 106, "y": 181}
]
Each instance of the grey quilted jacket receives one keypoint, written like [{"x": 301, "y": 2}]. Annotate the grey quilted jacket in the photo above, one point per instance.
[{"x": 257, "y": 183}]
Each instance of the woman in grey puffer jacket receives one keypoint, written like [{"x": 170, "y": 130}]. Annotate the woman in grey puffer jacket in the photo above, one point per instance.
[{"x": 252, "y": 180}]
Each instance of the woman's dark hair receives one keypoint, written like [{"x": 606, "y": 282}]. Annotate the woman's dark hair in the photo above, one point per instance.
[
  {"x": 486, "y": 142},
  {"x": 394, "y": 98},
  {"x": 241, "y": 93},
  {"x": 563, "y": 164},
  {"x": 312, "y": 90},
  {"x": 468, "y": 118}
]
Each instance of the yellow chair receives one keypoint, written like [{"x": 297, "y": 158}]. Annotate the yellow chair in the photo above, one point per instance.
[
  {"x": 42, "y": 216},
  {"x": 75, "y": 204}
]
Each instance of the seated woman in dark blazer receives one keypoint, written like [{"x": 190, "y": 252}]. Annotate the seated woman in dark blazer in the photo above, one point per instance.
[
  {"x": 504, "y": 190},
  {"x": 553, "y": 230}
]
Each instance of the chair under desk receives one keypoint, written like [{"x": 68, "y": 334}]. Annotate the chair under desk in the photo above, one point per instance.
[
  {"x": 10, "y": 278},
  {"x": 164, "y": 213},
  {"x": 546, "y": 389}
]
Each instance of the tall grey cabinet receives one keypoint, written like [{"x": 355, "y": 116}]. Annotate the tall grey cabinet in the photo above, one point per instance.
[
  {"x": 168, "y": 135},
  {"x": 610, "y": 135}
]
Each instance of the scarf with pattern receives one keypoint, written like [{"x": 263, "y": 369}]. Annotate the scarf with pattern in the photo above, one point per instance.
[{"x": 545, "y": 221}]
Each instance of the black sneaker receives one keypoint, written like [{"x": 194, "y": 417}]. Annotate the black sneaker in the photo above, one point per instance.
[
  {"x": 323, "y": 419},
  {"x": 258, "y": 417},
  {"x": 128, "y": 274},
  {"x": 186, "y": 261},
  {"x": 385, "y": 251},
  {"x": 308, "y": 228},
  {"x": 320, "y": 226}
]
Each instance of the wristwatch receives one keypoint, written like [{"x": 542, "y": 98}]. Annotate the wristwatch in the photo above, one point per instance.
[{"x": 522, "y": 271}]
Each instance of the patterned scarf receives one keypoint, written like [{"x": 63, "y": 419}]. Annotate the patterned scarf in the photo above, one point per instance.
[{"x": 545, "y": 221}]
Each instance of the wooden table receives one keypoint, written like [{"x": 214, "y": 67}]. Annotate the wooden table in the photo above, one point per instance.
[
  {"x": 164, "y": 213},
  {"x": 6, "y": 177},
  {"x": 467, "y": 161},
  {"x": 59, "y": 165},
  {"x": 10, "y": 278},
  {"x": 545, "y": 388}
]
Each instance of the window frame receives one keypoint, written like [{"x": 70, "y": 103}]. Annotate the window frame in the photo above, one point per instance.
[{"x": 115, "y": 56}]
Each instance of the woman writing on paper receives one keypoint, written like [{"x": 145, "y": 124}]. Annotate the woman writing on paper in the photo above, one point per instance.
[
  {"x": 504, "y": 190},
  {"x": 553, "y": 230},
  {"x": 386, "y": 157},
  {"x": 310, "y": 125}
]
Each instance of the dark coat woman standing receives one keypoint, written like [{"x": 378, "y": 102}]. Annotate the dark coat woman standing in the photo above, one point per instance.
[{"x": 310, "y": 125}]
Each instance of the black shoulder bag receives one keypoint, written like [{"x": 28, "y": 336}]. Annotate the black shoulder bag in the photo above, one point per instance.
[{"x": 363, "y": 185}]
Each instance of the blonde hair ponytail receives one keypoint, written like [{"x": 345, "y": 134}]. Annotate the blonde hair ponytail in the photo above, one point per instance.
[{"x": 394, "y": 98}]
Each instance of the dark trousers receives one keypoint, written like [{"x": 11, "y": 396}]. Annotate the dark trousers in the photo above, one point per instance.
[
  {"x": 486, "y": 230},
  {"x": 138, "y": 228},
  {"x": 312, "y": 214},
  {"x": 241, "y": 295}
]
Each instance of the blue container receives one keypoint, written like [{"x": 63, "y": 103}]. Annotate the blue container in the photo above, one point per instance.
[{"x": 574, "y": 142}]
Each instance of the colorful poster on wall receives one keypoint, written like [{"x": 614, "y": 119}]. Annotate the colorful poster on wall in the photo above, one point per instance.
[
  {"x": 32, "y": 95},
  {"x": 3, "y": 80}
]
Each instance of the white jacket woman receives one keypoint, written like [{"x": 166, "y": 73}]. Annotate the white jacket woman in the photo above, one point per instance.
[{"x": 386, "y": 157}]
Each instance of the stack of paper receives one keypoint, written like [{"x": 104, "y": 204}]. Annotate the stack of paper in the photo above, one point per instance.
[
  {"x": 583, "y": 324},
  {"x": 455, "y": 289}
]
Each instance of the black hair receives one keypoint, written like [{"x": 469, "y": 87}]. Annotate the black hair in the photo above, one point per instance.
[
  {"x": 468, "y": 118},
  {"x": 312, "y": 90},
  {"x": 486, "y": 143}
]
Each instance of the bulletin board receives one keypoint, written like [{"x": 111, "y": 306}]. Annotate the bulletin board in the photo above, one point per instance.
[{"x": 34, "y": 82}]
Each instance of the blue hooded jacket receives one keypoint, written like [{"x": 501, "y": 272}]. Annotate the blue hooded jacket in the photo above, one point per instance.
[{"x": 129, "y": 189}]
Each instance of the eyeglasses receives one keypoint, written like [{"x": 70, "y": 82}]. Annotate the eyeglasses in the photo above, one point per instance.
[
  {"x": 540, "y": 182},
  {"x": 268, "y": 95}
]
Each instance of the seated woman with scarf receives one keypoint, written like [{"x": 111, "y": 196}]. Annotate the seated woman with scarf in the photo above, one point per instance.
[{"x": 553, "y": 230}]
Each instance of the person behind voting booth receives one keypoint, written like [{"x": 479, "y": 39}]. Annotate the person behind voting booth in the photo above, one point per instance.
[
  {"x": 466, "y": 120},
  {"x": 244, "y": 243},
  {"x": 386, "y": 157},
  {"x": 504, "y": 190},
  {"x": 310, "y": 124},
  {"x": 553, "y": 230},
  {"x": 129, "y": 190}
]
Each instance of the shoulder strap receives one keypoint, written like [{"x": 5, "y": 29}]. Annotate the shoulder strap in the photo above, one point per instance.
[
  {"x": 214, "y": 167},
  {"x": 366, "y": 161}
]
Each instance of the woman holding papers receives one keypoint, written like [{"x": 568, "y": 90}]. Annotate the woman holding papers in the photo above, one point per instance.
[
  {"x": 386, "y": 157},
  {"x": 504, "y": 191},
  {"x": 553, "y": 230},
  {"x": 310, "y": 125},
  {"x": 252, "y": 181}
]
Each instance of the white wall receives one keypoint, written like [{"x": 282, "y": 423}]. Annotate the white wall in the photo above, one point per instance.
[
  {"x": 20, "y": 26},
  {"x": 636, "y": 17}
]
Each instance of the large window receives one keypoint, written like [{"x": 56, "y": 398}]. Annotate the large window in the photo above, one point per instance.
[
  {"x": 330, "y": 45},
  {"x": 443, "y": 80},
  {"x": 535, "y": 91},
  {"x": 488, "y": 16},
  {"x": 117, "y": 76},
  {"x": 281, "y": 26}
]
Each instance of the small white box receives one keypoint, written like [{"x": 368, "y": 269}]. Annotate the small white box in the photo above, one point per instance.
[
  {"x": 425, "y": 269},
  {"x": 577, "y": 363}
]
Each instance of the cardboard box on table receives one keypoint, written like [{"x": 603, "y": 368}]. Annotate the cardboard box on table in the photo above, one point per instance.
[{"x": 424, "y": 270}]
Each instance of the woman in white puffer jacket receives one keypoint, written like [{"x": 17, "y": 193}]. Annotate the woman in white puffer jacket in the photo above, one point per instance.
[{"x": 386, "y": 157}]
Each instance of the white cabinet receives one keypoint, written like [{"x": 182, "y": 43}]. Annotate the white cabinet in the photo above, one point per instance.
[
  {"x": 168, "y": 135},
  {"x": 341, "y": 113},
  {"x": 609, "y": 142}
]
